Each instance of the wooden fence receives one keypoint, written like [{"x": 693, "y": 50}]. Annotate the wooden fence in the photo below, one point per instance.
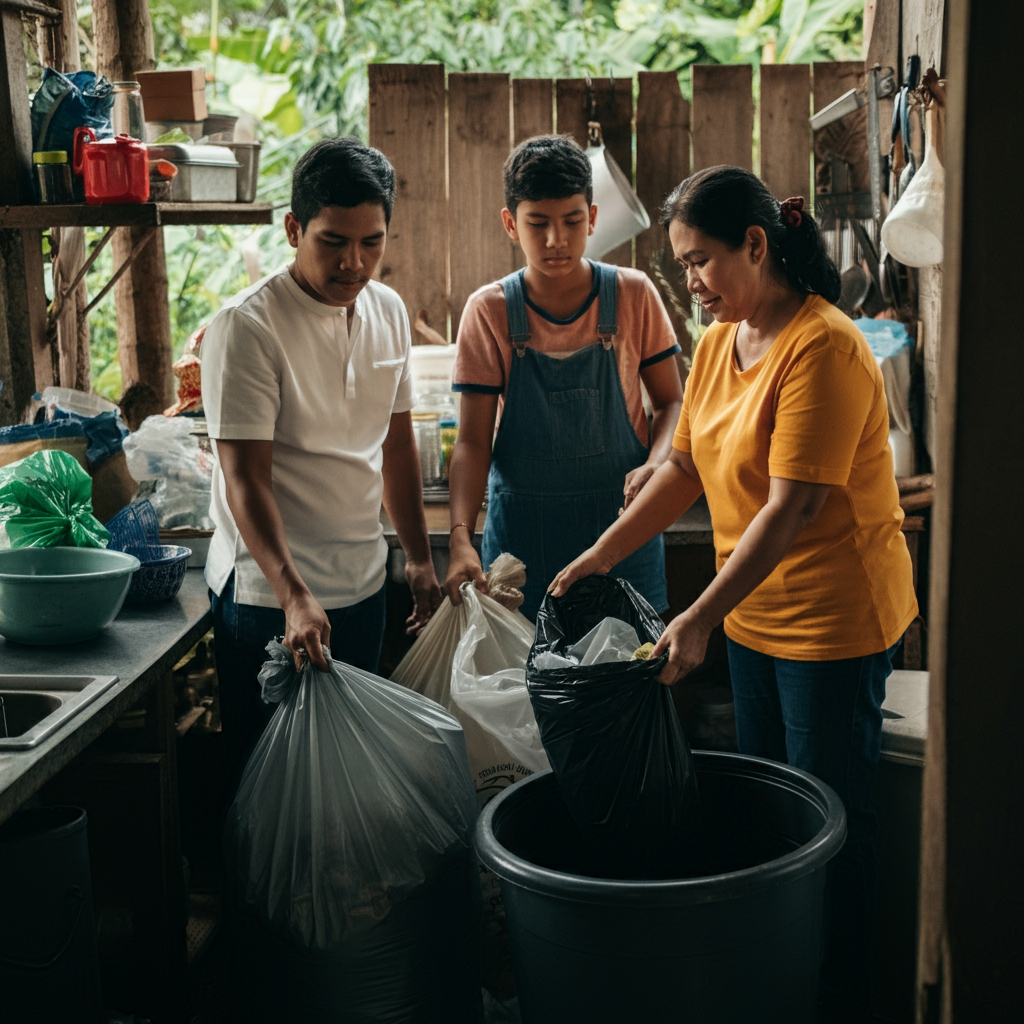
[{"x": 448, "y": 137}]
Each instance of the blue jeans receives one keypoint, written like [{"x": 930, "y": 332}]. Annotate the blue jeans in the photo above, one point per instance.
[
  {"x": 240, "y": 638},
  {"x": 825, "y": 717}
]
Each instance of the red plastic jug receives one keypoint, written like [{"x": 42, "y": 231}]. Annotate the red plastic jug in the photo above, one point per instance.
[{"x": 114, "y": 170}]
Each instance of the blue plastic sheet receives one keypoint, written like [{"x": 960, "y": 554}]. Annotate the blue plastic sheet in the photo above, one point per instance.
[{"x": 63, "y": 103}]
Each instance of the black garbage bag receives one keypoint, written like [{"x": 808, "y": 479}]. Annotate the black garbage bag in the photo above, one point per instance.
[{"x": 613, "y": 737}]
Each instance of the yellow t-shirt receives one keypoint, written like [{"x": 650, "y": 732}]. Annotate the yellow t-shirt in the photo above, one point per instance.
[{"x": 812, "y": 409}]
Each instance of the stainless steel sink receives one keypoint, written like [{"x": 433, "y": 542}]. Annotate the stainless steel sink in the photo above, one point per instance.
[{"x": 35, "y": 706}]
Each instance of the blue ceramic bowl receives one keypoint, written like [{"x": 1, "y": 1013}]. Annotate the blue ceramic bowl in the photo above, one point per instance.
[{"x": 61, "y": 595}]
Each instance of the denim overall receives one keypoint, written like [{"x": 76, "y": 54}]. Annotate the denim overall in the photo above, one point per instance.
[{"x": 565, "y": 444}]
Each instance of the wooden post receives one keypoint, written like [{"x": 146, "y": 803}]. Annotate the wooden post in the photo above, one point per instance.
[
  {"x": 124, "y": 46},
  {"x": 58, "y": 49},
  {"x": 971, "y": 945},
  {"x": 26, "y": 361}
]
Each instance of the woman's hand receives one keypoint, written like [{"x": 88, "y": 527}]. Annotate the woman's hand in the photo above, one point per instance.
[
  {"x": 686, "y": 640},
  {"x": 635, "y": 480},
  {"x": 426, "y": 594},
  {"x": 306, "y": 629},
  {"x": 590, "y": 563}
]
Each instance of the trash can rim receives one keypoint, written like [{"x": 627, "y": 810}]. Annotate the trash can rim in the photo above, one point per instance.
[{"x": 809, "y": 857}]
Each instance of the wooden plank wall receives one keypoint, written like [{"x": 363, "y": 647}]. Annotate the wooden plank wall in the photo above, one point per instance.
[
  {"x": 448, "y": 137},
  {"x": 479, "y": 128},
  {"x": 662, "y": 161},
  {"x": 407, "y": 124}
]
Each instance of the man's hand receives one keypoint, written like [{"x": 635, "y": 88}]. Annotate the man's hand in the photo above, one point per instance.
[
  {"x": 426, "y": 594},
  {"x": 306, "y": 628},
  {"x": 590, "y": 563},
  {"x": 463, "y": 565},
  {"x": 686, "y": 640},
  {"x": 635, "y": 480}
]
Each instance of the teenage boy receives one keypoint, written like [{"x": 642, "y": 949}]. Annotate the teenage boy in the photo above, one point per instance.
[
  {"x": 307, "y": 392},
  {"x": 555, "y": 354}
]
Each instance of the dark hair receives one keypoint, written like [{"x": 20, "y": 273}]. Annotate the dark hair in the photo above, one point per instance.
[
  {"x": 341, "y": 172},
  {"x": 546, "y": 167},
  {"x": 723, "y": 202}
]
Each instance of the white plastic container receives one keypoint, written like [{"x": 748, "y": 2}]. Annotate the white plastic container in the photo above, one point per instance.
[
  {"x": 82, "y": 403},
  {"x": 432, "y": 367}
]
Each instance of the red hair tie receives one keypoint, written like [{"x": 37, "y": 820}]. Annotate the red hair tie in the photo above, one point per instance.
[{"x": 790, "y": 213}]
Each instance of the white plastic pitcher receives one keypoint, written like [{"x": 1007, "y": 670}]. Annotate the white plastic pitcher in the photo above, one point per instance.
[{"x": 620, "y": 214}]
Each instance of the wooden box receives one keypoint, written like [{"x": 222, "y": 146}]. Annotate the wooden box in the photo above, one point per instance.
[{"x": 178, "y": 95}]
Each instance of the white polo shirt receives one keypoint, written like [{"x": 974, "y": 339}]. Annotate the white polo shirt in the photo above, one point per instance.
[{"x": 277, "y": 365}]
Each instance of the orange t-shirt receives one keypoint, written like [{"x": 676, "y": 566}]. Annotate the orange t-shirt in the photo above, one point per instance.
[
  {"x": 813, "y": 409},
  {"x": 483, "y": 355}
]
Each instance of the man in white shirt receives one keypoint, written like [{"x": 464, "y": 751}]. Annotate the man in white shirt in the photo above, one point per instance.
[{"x": 307, "y": 392}]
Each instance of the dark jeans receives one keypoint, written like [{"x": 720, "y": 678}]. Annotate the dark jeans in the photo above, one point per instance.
[
  {"x": 241, "y": 635},
  {"x": 825, "y": 718}
]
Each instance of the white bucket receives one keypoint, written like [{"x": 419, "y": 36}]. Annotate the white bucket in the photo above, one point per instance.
[{"x": 620, "y": 214}]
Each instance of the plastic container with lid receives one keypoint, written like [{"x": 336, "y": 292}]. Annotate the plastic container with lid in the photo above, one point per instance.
[
  {"x": 114, "y": 170},
  {"x": 52, "y": 176},
  {"x": 206, "y": 174}
]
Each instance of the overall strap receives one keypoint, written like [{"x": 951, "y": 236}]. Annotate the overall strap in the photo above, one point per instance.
[
  {"x": 607, "y": 319},
  {"x": 515, "y": 309}
]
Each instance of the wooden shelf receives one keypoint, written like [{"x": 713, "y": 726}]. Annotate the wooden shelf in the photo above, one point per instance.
[{"x": 133, "y": 214}]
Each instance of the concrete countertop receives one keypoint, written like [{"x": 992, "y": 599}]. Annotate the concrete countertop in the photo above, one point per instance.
[
  {"x": 140, "y": 647},
  {"x": 693, "y": 527}
]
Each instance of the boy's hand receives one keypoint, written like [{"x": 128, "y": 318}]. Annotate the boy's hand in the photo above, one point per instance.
[
  {"x": 590, "y": 563},
  {"x": 464, "y": 565},
  {"x": 635, "y": 480},
  {"x": 426, "y": 594},
  {"x": 306, "y": 628}
]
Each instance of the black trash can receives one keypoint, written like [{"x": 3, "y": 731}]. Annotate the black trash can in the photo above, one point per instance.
[
  {"x": 49, "y": 969},
  {"x": 738, "y": 943}
]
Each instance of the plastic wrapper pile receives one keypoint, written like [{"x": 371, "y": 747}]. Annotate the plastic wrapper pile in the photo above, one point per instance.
[{"x": 165, "y": 453}]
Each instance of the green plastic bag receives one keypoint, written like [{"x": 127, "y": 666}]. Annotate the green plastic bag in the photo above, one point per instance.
[{"x": 46, "y": 501}]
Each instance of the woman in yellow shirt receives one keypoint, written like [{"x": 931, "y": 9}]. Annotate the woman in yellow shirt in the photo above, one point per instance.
[{"x": 784, "y": 427}]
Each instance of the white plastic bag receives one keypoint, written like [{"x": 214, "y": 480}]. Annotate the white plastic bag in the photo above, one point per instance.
[
  {"x": 165, "y": 451},
  {"x": 488, "y": 681},
  {"x": 471, "y": 659},
  {"x": 610, "y": 640},
  {"x": 356, "y": 797}
]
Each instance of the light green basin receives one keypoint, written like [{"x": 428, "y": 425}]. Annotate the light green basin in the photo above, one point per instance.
[{"x": 61, "y": 595}]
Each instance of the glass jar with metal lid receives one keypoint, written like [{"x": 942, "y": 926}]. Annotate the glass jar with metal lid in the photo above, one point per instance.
[{"x": 52, "y": 176}]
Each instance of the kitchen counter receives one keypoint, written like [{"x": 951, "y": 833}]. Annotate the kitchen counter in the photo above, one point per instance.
[{"x": 140, "y": 647}]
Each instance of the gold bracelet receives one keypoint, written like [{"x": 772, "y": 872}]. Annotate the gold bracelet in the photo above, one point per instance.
[{"x": 457, "y": 525}]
